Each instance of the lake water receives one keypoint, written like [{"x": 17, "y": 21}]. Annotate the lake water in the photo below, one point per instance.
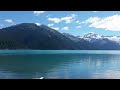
[{"x": 59, "y": 64}]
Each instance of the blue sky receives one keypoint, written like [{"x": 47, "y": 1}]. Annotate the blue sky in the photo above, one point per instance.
[{"x": 73, "y": 22}]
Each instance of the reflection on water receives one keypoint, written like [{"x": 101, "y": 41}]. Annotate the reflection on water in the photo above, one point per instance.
[{"x": 60, "y": 66}]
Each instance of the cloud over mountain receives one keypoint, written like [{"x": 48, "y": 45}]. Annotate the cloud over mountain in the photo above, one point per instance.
[{"x": 111, "y": 23}]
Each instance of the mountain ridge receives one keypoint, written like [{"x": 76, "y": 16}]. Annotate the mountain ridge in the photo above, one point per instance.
[
  {"x": 36, "y": 37},
  {"x": 97, "y": 42},
  {"x": 32, "y": 36}
]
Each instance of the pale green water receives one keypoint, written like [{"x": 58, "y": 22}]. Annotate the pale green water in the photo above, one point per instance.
[{"x": 59, "y": 64}]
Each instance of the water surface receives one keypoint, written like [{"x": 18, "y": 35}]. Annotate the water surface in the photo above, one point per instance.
[{"x": 59, "y": 64}]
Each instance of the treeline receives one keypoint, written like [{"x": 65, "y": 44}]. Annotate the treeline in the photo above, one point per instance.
[{"x": 11, "y": 44}]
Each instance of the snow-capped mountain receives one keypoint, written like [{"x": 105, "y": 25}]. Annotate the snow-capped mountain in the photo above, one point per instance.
[
  {"x": 91, "y": 37},
  {"x": 32, "y": 36},
  {"x": 96, "y": 42},
  {"x": 113, "y": 38}
]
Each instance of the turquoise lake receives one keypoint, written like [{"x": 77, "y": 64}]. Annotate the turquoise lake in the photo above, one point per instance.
[{"x": 60, "y": 64}]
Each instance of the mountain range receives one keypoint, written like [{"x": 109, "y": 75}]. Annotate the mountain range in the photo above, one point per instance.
[
  {"x": 94, "y": 41},
  {"x": 32, "y": 36}
]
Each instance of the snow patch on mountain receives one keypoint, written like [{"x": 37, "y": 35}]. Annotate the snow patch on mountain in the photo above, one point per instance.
[
  {"x": 114, "y": 38},
  {"x": 91, "y": 37}
]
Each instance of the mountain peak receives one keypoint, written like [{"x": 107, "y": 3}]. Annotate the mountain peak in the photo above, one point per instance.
[
  {"x": 91, "y": 36},
  {"x": 27, "y": 24},
  {"x": 32, "y": 36},
  {"x": 46, "y": 27}
]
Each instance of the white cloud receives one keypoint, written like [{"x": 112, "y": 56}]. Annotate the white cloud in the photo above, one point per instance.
[
  {"x": 78, "y": 22},
  {"x": 49, "y": 25},
  {"x": 67, "y": 19},
  {"x": 91, "y": 20},
  {"x": 38, "y": 24},
  {"x": 111, "y": 23},
  {"x": 78, "y": 27},
  {"x": 65, "y": 28},
  {"x": 56, "y": 28},
  {"x": 48, "y": 16},
  {"x": 95, "y": 11},
  {"x": 55, "y": 20},
  {"x": 38, "y": 12},
  {"x": 9, "y": 20}
]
